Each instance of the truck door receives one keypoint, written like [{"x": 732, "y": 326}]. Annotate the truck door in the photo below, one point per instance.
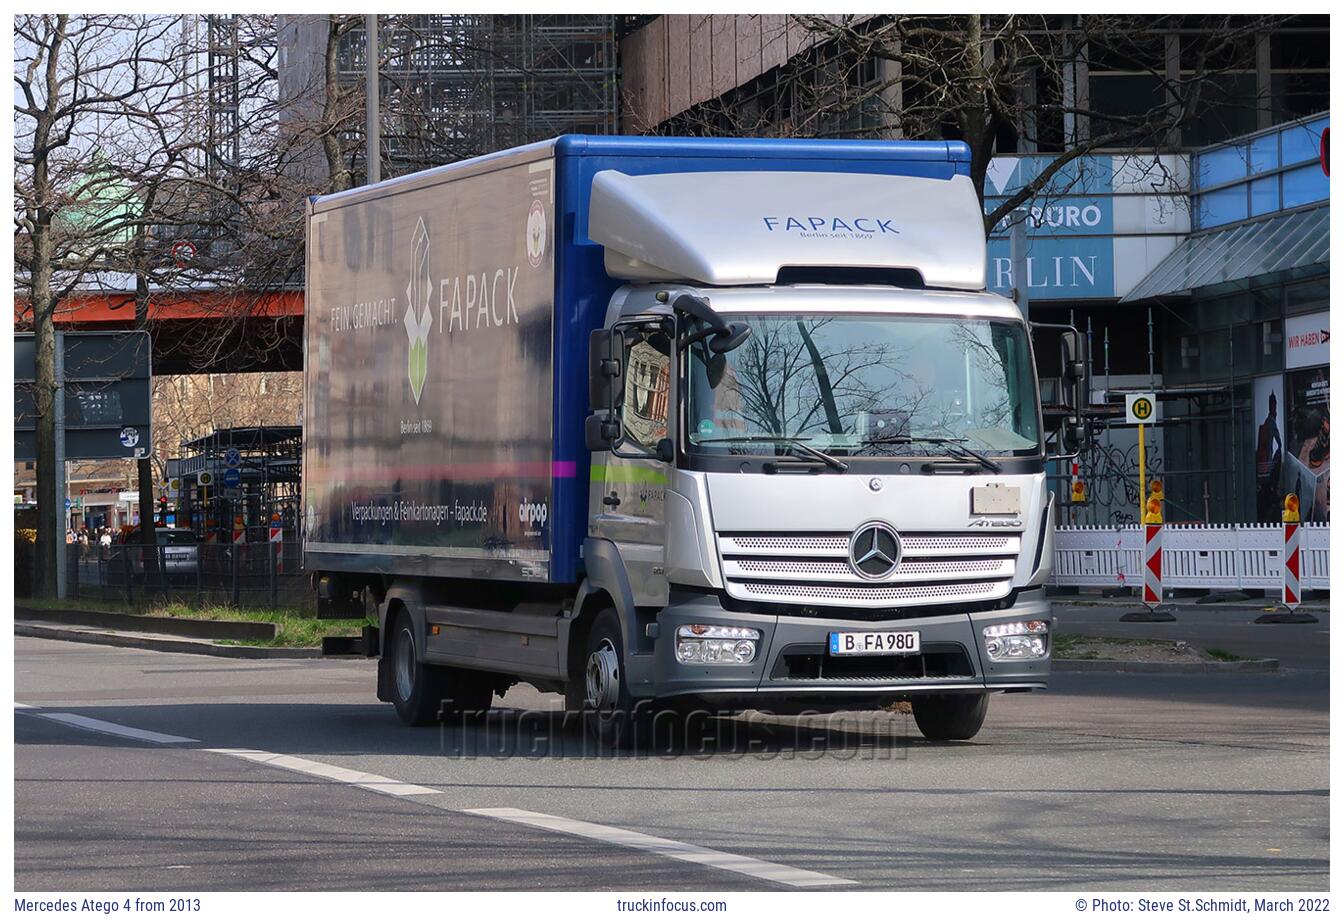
[{"x": 631, "y": 508}]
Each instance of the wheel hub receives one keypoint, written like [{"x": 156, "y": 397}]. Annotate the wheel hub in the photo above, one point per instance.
[{"x": 603, "y": 677}]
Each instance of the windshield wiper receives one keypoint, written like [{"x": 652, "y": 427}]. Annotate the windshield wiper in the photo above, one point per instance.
[
  {"x": 955, "y": 445},
  {"x": 795, "y": 445}
]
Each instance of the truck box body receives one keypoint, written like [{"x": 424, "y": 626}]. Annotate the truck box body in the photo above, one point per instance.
[{"x": 447, "y": 322}]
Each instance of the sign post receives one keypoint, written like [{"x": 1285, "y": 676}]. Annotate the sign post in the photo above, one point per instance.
[{"x": 1141, "y": 410}]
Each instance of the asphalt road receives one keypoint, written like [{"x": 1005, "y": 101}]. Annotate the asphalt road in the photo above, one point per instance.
[
  {"x": 1104, "y": 782},
  {"x": 1230, "y": 627}
]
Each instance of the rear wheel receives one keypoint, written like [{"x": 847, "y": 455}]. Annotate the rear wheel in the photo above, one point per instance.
[
  {"x": 424, "y": 694},
  {"x": 953, "y": 717}
]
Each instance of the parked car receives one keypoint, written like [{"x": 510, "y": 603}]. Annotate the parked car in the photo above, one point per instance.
[{"x": 180, "y": 556}]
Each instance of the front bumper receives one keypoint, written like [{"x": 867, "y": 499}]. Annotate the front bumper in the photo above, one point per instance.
[{"x": 793, "y": 663}]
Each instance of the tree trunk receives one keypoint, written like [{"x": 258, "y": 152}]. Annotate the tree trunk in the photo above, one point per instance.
[
  {"x": 337, "y": 171},
  {"x": 49, "y": 540},
  {"x": 145, "y": 465}
]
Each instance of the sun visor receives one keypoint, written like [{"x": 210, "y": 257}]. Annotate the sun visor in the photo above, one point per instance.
[{"x": 743, "y": 227}]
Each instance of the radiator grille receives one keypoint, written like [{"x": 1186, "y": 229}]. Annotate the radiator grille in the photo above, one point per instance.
[{"x": 935, "y": 568}]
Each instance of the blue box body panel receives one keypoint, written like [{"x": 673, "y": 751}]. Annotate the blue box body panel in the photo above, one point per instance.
[{"x": 583, "y": 288}]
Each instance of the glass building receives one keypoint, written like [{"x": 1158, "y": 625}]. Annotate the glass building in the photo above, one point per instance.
[{"x": 1246, "y": 330}]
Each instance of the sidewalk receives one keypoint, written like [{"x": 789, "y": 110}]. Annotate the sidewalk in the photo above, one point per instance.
[{"x": 1227, "y": 626}]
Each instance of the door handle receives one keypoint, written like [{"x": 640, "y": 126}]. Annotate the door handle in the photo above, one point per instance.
[{"x": 611, "y": 501}]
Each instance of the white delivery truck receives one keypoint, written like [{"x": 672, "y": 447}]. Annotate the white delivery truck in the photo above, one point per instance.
[{"x": 667, "y": 424}]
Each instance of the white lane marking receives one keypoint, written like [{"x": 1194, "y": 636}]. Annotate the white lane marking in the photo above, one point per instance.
[
  {"x": 371, "y": 781},
  {"x": 674, "y": 849},
  {"x": 112, "y": 728}
]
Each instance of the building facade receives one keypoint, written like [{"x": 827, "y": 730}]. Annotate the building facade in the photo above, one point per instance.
[
  {"x": 1104, "y": 233},
  {"x": 451, "y": 85}
]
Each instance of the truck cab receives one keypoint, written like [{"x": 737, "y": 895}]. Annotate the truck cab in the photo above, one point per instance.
[{"x": 827, "y": 493}]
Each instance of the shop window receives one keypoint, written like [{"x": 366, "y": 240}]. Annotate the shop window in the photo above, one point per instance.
[
  {"x": 1213, "y": 353},
  {"x": 1307, "y": 296},
  {"x": 1298, "y": 94},
  {"x": 1227, "y": 104},
  {"x": 1224, "y": 206},
  {"x": 1305, "y": 185},
  {"x": 1123, "y": 96},
  {"x": 1226, "y": 164},
  {"x": 1264, "y": 196},
  {"x": 1302, "y": 142},
  {"x": 1264, "y": 153}
]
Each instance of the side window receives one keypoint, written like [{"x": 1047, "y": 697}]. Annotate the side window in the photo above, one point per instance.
[{"x": 644, "y": 409}]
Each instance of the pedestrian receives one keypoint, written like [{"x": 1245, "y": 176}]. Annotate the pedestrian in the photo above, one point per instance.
[{"x": 84, "y": 543}]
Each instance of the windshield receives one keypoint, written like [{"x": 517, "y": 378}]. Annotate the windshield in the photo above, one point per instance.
[{"x": 862, "y": 385}]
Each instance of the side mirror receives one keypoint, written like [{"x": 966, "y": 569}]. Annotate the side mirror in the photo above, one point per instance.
[
  {"x": 725, "y": 341},
  {"x": 601, "y": 431},
  {"x": 1072, "y": 367},
  {"x": 604, "y": 370}
]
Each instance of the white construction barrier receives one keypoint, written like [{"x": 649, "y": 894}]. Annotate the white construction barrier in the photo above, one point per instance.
[{"x": 1216, "y": 557}]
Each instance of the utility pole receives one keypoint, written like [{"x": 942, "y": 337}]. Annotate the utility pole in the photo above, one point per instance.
[
  {"x": 1017, "y": 250},
  {"x": 62, "y": 516},
  {"x": 373, "y": 149}
]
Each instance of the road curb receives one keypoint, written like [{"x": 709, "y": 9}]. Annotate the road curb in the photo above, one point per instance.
[
  {"x": 1254, "y": 665},
  {"x": 186, "y": 627},
  {"x": 157, "y": 644}
]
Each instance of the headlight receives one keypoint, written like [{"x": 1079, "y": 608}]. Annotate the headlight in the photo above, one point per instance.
[
  {"x": 699, "y": 644},
  {"x": 1025, "y": 639}
]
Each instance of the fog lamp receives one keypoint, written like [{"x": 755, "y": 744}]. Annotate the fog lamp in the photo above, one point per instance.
[
  {"x": 1022, "y": 640},
  {"x": 700, "y": 644}
]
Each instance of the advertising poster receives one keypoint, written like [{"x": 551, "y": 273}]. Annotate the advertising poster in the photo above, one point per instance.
[
  {"x": 1307, "y": 452},
  {"x": 1267, "y": 411},
  {"x": 428, "y": 417}
]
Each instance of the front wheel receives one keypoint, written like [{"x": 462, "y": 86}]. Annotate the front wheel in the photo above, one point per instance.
[
  {"x": 953, "y": 717},
  {"x": 611, "y": 717}
]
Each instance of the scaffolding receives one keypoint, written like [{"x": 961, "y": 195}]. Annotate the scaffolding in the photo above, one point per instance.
[
  {"x": 246, "y": 478},
  {"x": 455, "y": 86}
]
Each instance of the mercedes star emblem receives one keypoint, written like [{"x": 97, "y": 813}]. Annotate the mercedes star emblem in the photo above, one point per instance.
[{"x": 874, "y": 550}]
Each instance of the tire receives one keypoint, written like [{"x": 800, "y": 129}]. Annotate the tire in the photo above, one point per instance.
[
  {"x": 954, "y": 717},
  {"x": 610, "y": 716},
  {"x": 424, "y": 694}
]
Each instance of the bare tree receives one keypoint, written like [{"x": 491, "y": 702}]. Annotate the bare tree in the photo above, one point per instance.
[
  {"x": 987, "y": 79},
  {"x": 82, "y": 86},
  {"x": 135, "y": 146}
]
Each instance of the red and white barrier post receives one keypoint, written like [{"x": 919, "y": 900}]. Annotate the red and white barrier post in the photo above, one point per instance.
[
  {"x": 277, "y": 544},
  {"x": 1152, "y": 561},
  {"x": 1292, "y": 567},
  {"x": 1152, "y": 547},
  {"x": 1292, "y": 552}
]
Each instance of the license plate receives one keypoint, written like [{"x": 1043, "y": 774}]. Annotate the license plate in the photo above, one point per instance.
[{"x": 874, "y": 643}]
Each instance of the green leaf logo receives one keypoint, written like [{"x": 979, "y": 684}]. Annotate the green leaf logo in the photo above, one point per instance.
[{"x": 418, "y": 319}]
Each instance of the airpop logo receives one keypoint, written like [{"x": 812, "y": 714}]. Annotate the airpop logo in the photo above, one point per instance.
[
  {"x": 533, "y": 513},
  {"x": 418, "y": 318}
]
